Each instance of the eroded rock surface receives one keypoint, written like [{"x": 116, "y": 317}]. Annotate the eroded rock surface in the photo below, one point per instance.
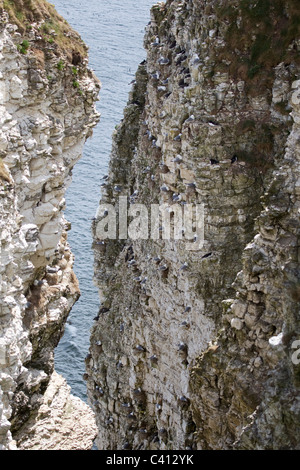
[
  {"x": 192, "y": 348},
  {"x": 47, "y": 112}
]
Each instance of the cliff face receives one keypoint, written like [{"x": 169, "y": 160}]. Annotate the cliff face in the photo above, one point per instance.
[
  {"x": 46, "y": 113},
  {"x": 193, "y": 348}
]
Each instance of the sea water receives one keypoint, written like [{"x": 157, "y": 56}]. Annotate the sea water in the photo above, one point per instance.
[{"x": 114, "y": 32}]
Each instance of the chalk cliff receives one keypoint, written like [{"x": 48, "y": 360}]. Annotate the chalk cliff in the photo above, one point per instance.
[
  {"x": 47, "y": 111},
  {"x": 196, "y": 348}
]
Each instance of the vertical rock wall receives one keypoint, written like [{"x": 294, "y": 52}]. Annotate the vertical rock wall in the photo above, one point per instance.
[
  {"x": 246, "y": 394},
  {"x": 211, "y": 120},
  {"x": 47, "y": 111}
]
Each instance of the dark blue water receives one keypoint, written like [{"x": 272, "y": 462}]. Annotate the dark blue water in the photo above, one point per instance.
[{"x": 114, "y": 31}]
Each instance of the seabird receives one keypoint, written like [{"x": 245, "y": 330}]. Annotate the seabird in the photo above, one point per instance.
[
  {"x": 177, "y": 138},
  {"x": 181, "y": 58},
  {"x": 176, "y": 197},
  {"x": 190, "y": 119},
  {"x": 105, "y": 212},
  {"x": 234, "y": 159},
  {"x": 126, "y": 405},
  {"x": 156, "y": 42},
  {"x": 184, "y": 266},
  {"x": 143, "y": 431},
  {"x": 185, "y": 71},
  {"x": 164, "y": 267},
  {"x": 187, "y": 309},
  {"x": 149, "y": 134},
  {"x": 132, "y": 262},
  {"x": 117, "y": 188},
  {"x": 191, "y": 185},
  {"x": 155, "y": 75},
  {"x": 182, "y": 347},
  {"x": 153, "y": 358},
  {"x": 140, "y": 348},
  {"x": 163, "y": 61},
  {"x": 52, "y": 269},
  {"x": 164, "y": 188},
  {"x": 178, "y": 159},
  {"x": 147, "y": 169},
  {"x": 184, "y": 399}
]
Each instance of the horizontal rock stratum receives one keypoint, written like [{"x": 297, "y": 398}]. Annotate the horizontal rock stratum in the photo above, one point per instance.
[{"x": 46, "y": 113}]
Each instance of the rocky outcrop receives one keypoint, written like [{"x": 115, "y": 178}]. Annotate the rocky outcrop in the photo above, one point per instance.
[
  {"x": 62, "y": 422},
  {"x": 192, "y": 347},
  {"x": 47, "y": 112}
]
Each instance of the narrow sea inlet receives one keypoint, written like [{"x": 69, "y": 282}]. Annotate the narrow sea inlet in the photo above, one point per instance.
[{"x": 113, "y": 31}]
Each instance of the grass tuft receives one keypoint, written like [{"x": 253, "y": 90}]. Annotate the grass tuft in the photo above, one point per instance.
[
  {"x": 23, "y": 47},
  {"x": 259, "y": 35},
  {"x": 25, "y": 12}
]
